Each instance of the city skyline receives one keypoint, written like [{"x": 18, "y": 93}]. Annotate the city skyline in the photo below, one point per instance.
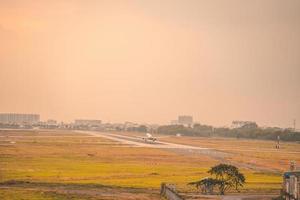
[{"x": 181, "y": 120}]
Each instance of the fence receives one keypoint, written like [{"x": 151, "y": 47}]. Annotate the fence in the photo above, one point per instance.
[{"x": 169, "y": 192}]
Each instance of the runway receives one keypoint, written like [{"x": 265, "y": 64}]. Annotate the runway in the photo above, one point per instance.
[
  {"x": 178, "y": 148},
  {"x": 138, "y": 142}
]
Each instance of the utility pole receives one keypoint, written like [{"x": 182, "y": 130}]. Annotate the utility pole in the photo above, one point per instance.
[
  {"x": 294, "y": 124},
  {"x": 278, "y": 142}
]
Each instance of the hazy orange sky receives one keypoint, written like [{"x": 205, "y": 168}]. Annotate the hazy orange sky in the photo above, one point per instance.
[{"x": 151, "y": 60}]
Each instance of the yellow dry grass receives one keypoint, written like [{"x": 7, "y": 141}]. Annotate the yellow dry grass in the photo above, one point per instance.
[
  {"x": 255, "y": 152},
  {"x": 69, "y": 157}
]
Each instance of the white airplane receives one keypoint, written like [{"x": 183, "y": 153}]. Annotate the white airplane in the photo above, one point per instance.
[{"x": 149, "y": 138}]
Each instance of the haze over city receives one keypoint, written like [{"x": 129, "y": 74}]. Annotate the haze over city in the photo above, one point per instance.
[{"x": 150, "y": 61}]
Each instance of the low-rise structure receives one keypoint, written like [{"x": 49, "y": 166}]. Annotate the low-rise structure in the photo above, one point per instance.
[
  {"x": 87, "y": 122},
  {"x": 243, "y": 124}
]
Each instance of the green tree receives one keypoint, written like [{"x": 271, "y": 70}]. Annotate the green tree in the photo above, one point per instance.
[
  {"x": 142, "y": 128},
  {"x": 206, "y": 185},
  {"x": 228, "y": 177},
  {"x": 224, "y": 177}
]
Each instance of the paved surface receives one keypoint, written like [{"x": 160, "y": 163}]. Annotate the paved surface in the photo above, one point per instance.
[
  {"x": 133, "y": 141},
  {"x": 138, "y": 142}
]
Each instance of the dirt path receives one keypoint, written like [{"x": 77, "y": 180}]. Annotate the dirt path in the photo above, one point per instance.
[
  {"x": 83, "y": 190},
  {"x": 230, "y": 197}
]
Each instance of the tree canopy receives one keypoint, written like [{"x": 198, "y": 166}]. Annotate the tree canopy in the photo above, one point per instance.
[
  {"x": 224, "y": 177},
  {"x": 251, "y": 133}
]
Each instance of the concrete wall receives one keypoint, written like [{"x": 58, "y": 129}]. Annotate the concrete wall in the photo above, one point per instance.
[
  {"x": 291, "y": 187},
  {"x": 169, "y": 192}
]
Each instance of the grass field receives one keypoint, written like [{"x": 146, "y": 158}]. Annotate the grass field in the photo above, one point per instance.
[
  {"x": 260, "y": 153},
  {"x": 58, "y": 165}
]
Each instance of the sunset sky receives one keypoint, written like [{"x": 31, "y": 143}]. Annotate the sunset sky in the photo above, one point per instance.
[{"x": 152, "y": 60}]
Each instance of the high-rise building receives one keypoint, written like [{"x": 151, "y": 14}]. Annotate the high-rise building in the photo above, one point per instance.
[
  {"x": 19, "y": 118},
  {"x": 185, "y": 120}
]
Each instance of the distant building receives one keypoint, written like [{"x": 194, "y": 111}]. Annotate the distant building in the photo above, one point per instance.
[
  {"x": 185, "y": 120},
  {"x": 243, "y": 124},
  {"x": 51, "y": 122},
  {"x": 130, "y": 125},
  {"x": 15, "y": 118},
  {"x": 87, "y": 122}
]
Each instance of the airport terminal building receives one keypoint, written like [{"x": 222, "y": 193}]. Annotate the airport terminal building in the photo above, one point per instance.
[{"x": 15, "y": 118}]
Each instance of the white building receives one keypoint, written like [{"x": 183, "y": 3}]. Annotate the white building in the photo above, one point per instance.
[
  {"x": 15, "y": 118},
  {"x": 185, "y": 120}
]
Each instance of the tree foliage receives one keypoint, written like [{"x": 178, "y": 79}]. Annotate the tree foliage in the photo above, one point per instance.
[
  {"x": 141, "y": 128},
  {"x": 224, "y": 177},
  {"x": 251, "y": 133},
  {"x": 228, "y": 177},
  {"x": 206, "y": 185}
]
